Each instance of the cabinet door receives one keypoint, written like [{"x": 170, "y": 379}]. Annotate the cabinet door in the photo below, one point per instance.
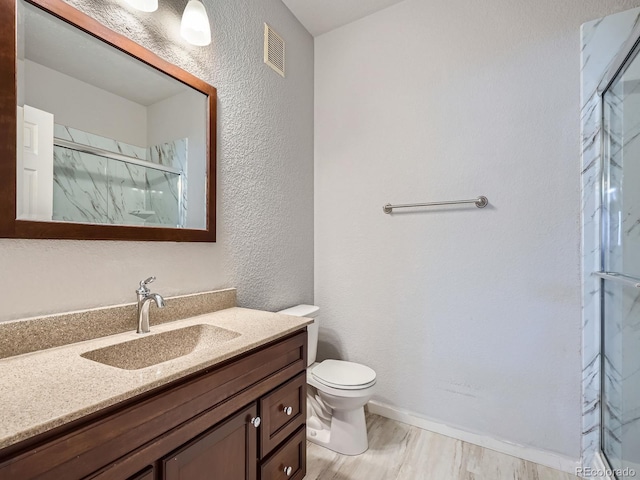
[{"x": 228, "y": 451}]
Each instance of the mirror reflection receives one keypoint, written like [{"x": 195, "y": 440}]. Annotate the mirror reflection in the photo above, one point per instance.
[{"x": 102, "y": 137}]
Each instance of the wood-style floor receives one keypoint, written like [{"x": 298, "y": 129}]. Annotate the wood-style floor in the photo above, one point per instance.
[{"x": 403, "y": 452}]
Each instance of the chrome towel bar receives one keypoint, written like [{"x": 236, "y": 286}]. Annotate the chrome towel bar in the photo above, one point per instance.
[
  {"x": 618, "y": 277},
  {"x": 480, "y": 202}
]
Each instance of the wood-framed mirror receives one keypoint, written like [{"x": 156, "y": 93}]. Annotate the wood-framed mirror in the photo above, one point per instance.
[{"x": 100, "y": 138}]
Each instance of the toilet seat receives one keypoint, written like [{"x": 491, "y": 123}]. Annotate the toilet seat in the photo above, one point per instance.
[{"x": 343, "y": 375}]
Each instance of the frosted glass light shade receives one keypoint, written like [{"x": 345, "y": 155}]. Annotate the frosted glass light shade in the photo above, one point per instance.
[
  {"x": 144, "y": 5},
  {"x": 195, "y": 24}
]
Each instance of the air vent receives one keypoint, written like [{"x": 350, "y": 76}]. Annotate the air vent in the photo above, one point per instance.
[{"x": 273, "y": 50}]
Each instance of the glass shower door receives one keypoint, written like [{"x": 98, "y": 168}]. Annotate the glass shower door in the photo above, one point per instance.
[{"x": 621, "y": 262}]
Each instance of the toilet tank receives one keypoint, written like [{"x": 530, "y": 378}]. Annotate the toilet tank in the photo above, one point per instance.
[{"x": 310, "y": 311}]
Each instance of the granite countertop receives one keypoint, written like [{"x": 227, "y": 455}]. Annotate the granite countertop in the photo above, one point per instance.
[{"x": 48, "y": 388}]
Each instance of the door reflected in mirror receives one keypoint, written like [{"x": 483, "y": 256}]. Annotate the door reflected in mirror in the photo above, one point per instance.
[{"x": 104, "y": 138}]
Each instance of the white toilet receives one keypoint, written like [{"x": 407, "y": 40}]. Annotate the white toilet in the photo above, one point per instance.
[{"x": 337, "y": 394}]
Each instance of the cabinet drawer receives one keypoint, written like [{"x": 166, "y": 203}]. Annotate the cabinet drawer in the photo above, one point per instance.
[
  {"x": 289, "y": 459},
  {"x": 282, "y": 412}
]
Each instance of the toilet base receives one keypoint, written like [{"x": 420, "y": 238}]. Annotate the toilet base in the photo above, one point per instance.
[
  {"x": 335, "y": 417},
  {"x": 347, "y": 435}
]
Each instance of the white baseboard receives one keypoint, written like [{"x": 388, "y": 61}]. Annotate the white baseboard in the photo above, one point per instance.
[{"x": 542, "y": 457}]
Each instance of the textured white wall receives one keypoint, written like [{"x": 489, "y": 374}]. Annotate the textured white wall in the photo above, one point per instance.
[
  {"x": 470, "y": 317},
  {"x": 265, "y": 177}
]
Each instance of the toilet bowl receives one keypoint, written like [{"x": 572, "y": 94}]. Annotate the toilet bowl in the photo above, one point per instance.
[{"x": 336, "y": 395}]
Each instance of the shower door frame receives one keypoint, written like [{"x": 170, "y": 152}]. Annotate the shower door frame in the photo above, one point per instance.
[
  {"x": 606, "y": 43},
  {"x": 629, "y": 51}
]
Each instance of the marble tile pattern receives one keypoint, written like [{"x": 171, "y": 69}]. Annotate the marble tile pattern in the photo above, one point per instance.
[
  {"x": 402, "y": 452},
  {"x": 30, "y": 335},
  {"x": 612, "y": 373},
  {"x": 92, "y": 140},
  {"x": 622, "y": 375},
  {"x": 79, "y": 188},
  {"x": 602, "y": 40},
  {"x": 45, "y": 389},
  {"x": 173, "y": 154},
  {"x": 614, "y": 167},
  {"x": 127, "y": 193},
  {"x": 93, "y": 189},
  {"x": 163, "y": 189}
]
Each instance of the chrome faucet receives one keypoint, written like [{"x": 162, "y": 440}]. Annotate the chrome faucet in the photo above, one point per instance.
[{"x": 144, "y": 300}]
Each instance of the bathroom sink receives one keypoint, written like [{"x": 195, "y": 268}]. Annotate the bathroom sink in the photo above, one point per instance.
[{"x": 152, "y": 349}]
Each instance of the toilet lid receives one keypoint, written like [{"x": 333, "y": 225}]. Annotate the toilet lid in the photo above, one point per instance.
[{"x": 341, "y": 374}]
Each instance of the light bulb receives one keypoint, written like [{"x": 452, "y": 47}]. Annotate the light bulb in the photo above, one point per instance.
[
  {"x": 144, "y": 5},
  {"x": 195, "y": 24}
]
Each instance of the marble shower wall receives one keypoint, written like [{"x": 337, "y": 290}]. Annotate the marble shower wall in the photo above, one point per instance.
[
  {"x": 94, "y": 189},
  {"x": 79, "y": 187},
  {"x": 630, "y": 231},
  {"x": 172, "y": 154},
  {"x": 602, "y": 40},
  {"x": 622, "y": 369}
]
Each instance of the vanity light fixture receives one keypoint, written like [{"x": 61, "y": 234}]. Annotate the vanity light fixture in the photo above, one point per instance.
[
  {"x": 144, "y": 5},
  {"x": 195, "y": 24}
]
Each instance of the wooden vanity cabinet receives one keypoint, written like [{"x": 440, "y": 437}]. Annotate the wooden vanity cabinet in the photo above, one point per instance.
[{"x": 199, "y": 427}]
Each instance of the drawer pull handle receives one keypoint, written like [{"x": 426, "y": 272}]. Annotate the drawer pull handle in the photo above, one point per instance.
[
  {"x": 288, "y": 471},
  {"x": 255, "y": 421},
  {"x": 287, "y": 410}
]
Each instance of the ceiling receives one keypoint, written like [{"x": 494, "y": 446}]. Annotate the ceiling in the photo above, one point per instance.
[{"x": 321, "y": 16}]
